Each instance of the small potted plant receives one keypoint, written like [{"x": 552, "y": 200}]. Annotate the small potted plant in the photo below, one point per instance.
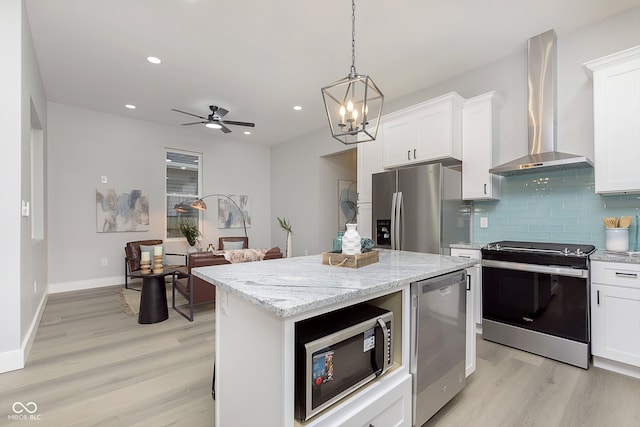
[
  {"x": 190, "y": 231},
  {"x": 286, "y": 226}
]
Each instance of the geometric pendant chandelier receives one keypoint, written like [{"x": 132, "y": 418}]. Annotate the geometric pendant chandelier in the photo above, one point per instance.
[{"x": 353, "y": 104}]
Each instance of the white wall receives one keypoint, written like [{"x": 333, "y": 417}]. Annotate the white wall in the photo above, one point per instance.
[
  {"x": 295, "y": 186},
  {"x": 85, "y": 145},
  {"x": 294, "y": 163},
  {"x": 22, "y": 261}
]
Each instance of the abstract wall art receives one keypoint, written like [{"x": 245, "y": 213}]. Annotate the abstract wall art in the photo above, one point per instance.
[
  {"x": 228, "y": 214},
  {"x": 121, "y": 210}
]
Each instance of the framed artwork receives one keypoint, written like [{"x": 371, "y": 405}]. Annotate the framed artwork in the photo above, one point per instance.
[
  {"x": 121, "y": 210},
  {"x": 347, "y": 202},
  {"x": 228, "y": 214}
]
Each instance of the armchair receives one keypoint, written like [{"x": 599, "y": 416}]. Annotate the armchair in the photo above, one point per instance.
[
  {"x": 194, "y": 289},
  {"x": 235, "y": 243},
  {"x": 132, "y": 258}
]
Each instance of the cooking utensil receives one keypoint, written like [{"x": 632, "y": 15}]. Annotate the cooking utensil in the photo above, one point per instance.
[
  {"x": 624, "y": 222},
  {"x": 611, "y": 222}
]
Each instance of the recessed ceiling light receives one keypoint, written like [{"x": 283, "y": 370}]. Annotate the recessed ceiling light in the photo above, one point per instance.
[
  {"x": 297, "y": 107},
  {"x": 246, "y": 132},
  {"x": 153, "y": 59},
  {"x": 130, "y": 106}
]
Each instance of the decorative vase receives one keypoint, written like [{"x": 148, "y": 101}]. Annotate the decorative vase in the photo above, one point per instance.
[
  {"x": 289, "y": 254},
  {"x": 351, "y": 241},
  {"x": 337, "y": 242},
  {"x": 191, "y": 249}
]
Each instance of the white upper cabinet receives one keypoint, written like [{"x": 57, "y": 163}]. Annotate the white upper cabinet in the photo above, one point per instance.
[
  {"x": 479, "y": 147},
  {"x": 427, "y": 132},
  {"x": 616, "y": 109}
]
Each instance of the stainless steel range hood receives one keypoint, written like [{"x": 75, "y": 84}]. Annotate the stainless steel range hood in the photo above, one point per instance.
[{"x": 542, "y": 155}]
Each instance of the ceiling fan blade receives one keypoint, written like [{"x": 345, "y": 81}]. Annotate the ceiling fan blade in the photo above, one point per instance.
[
  {"x": 231, "y": 122},
  {"x": 190, "y": 114},
  {"x": 224, "y": 128},
  {"x": 220, "y": 112},
  {"x": 192, "y": 123}
]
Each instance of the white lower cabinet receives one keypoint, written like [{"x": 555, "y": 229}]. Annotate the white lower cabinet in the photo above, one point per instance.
[
  {"x": 615, "y": 317},
  {"x": 474, "y": 291}
]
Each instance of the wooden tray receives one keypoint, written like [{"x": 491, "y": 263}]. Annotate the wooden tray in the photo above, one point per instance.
[{"x": 353, "y": 261}]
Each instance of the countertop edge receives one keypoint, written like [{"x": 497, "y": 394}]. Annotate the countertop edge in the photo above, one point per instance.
[
  {"x": 349, "y": 294},
  {"x": 610, "y": 256}
]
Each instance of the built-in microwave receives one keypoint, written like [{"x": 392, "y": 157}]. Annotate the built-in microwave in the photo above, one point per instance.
[{"x": 339, "y": 352}]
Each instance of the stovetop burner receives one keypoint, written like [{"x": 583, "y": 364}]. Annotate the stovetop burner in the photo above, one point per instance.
[{"x": 559, "y": 249}]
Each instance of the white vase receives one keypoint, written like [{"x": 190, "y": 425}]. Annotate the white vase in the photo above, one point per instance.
[
  {"x": 289, "y": 253},
  {"x": 191, "y": 249},
  {"x": 351, "y": 241}
]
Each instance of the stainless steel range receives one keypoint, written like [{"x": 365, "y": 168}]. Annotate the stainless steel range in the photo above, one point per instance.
[{"x": 535, "y": 297}]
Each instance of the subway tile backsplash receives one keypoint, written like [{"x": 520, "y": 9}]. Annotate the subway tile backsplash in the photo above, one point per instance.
[{"x": 558, "y": 206}]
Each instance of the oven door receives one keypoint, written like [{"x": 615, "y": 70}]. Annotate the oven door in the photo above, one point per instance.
[{"x": 546, "y": 299}]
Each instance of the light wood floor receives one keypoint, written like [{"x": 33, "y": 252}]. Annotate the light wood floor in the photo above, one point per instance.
[{"x": 93, "y": 365}]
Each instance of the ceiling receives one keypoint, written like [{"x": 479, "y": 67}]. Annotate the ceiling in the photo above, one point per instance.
[{"x": 259, "y": 58}]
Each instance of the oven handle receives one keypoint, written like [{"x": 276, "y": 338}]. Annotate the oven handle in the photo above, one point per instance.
[{"x": 535, "y": 268}]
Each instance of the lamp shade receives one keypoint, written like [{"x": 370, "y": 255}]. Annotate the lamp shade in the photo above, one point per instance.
[
  {"x": 199, "y": 204},
  {"x": 353, "y": 106}
]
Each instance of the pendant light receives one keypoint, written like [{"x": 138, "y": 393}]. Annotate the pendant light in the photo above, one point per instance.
[{"x": 353, "y": 104}]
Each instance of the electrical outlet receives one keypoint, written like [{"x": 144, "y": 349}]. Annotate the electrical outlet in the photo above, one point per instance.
[
  {"x": 484, "y": 222},
  {"x": 105, "y": 261},
  {"x": 104, "y": 179}
]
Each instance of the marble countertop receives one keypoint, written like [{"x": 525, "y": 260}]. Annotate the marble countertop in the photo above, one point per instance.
[
  {"x": 292, "y": 286},
  {"x": 609, "y": 256}
]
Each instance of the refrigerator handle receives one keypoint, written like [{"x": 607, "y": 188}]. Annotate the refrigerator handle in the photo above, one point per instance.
[
  {"x": 399, "y": 220},
  {"x": 393, "y": 220}
]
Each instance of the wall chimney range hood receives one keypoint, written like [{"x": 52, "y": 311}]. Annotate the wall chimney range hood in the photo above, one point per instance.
[{"x": 543, "y": 155}]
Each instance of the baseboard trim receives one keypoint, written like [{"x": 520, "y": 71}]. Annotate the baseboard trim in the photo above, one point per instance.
[
  {"x": 56, "y": 288},
  {"x": 15, "y": 359}
]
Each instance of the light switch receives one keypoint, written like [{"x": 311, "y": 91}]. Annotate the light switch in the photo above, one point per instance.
[{"x": 25, "y": 208}]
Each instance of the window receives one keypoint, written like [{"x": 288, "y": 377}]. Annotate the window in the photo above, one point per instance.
[{"x": 183, "y": 184}]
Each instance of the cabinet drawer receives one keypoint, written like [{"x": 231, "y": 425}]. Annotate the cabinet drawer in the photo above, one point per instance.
[
  {"x": 618, "y": 274},
  {"x": 466, "y": 253}
]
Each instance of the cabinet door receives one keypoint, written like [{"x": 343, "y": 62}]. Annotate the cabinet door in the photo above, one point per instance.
[
  {"x": 399, "y": 142},
  {"x": 616, "y": 108},
  {"x": 369, "y": 162},
  {"x": 364, "y": 220},
  {"x": 615, "y": 323},
  {"x": 472, "y": 289},
  {"x": 434, "y": 127},
  {"x": 478, "y": 127}
]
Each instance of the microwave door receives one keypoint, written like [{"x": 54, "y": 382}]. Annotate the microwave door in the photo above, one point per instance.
[{"x": 335, "y": 370}]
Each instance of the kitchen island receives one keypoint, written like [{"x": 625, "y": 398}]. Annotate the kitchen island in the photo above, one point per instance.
[{"x": 257, "y": 307}]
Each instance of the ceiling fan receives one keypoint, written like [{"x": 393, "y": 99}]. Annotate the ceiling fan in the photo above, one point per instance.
[{"x": 215, "y": 119}]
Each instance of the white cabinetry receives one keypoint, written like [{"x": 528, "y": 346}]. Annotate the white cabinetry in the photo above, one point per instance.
[
  {"x": 369, "y": 162},
  {"x": 479, "y": 148},
  {"x": 427, "y": 132},
  {"x": 616, "y": 108},
  {"x": 474, "y": 297},
  {"x": 615, "y": 316}
]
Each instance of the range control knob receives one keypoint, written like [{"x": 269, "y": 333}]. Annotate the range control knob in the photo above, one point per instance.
[
  {"x": 579, "y": 252},
  {"x": 566, "y": 251}
]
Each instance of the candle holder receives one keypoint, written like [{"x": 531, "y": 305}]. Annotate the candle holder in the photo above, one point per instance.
[
  {"x": 145, "y": 266},
  {"x": 157, "y": 264}
]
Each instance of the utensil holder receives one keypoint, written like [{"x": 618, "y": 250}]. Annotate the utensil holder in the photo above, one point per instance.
[{"x": 616, "y": 239}]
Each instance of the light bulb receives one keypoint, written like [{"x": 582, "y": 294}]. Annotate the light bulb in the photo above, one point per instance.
[
  {"x": 349, "y": 106},
  {"x": 342, "y": 111}
]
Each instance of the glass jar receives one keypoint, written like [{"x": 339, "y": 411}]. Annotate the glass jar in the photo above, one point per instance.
[{"x": 337, "y": 242}]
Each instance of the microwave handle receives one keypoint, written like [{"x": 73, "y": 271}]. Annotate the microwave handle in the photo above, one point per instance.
[{"x": 386, "y": 364}]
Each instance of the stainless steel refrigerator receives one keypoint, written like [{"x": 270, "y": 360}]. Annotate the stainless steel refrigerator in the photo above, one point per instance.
[{"x": 419, "y": 209}]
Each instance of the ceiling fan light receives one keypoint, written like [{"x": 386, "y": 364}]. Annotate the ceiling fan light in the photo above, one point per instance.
[{"x": 213, "y": 125}]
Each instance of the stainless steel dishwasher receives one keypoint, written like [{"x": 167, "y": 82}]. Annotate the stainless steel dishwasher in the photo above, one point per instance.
[{"x": 438, "y": 339}]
